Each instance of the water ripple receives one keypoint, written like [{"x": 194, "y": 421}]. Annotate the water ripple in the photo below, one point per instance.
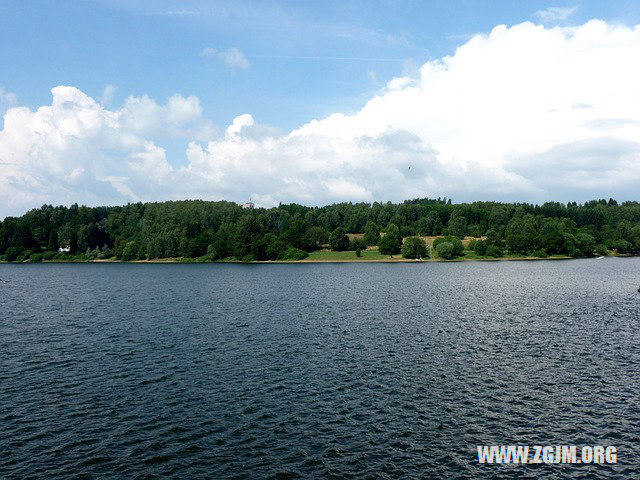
[{"x": 316, "y": 371}]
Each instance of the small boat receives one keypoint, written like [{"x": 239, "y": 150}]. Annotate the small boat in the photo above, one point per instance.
[{"x": 599, "y": 258}]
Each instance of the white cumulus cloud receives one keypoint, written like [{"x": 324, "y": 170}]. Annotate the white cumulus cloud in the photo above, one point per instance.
[
  {"x": 7, "y": 98},
  {"x": 525, "y": 113},
  {"x": 554, "y": 14},
  {"x": 75, "y": 150},
  {"x": 107, "y": 95},
  {"x": 232, "y": 57}
]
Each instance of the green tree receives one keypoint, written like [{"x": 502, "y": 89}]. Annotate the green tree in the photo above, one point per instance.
[
  {"x": 357, "y": 244},
  {"x": 457, "y": 248},
  {"x": 275, "y": 248},
  {"x": 198, "y": 245},
  {"x": 457, "y": 225},
  {"x": 601, "y": 249},
  {"x": 414, "y": 247},
  {"x": 294, "y": 253},
  {"x": 585, "y": 244},
  {"x": 445, "y": 250},
  {"x": 223, "y": 242},
  {"x": 622, "y": 246},
  {"x": 13, "y": 253},
  {"x": 480, "y": 247},
  {"x": 388, "y": 246},
  {"x": 52, "y": 244},
  {"x": 248, "y": 229},
  {"x": 317, "y": 236},
  {"x": 296, "y": 236},
  {"x": 130, "y": 251},
  {"x": 371, "y": 233},
  {"x": 475, "y": 230},
  {"x": 391, "y": 243},
  {"x": 431, "y": 224},
  {"x": 225, "y": 230},
  {"x": 338, "y": 240}
]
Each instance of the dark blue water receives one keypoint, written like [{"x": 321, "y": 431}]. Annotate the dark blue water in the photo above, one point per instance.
[{"x": 316, "y": 371}]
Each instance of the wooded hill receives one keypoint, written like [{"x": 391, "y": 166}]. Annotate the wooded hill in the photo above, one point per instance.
[{"x": 224, "y": 230}]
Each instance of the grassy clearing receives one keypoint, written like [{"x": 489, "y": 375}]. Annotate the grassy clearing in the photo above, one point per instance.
[
  {"x": 471, "y": 255},
  {"x": 350, "y": 256}
]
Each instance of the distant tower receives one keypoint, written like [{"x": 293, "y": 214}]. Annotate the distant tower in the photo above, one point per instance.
[{"x": 249, "y": 204}]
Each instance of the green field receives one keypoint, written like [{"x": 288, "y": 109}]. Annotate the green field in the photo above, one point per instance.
[
  {"x": 329, "y": 256},
  {"x": 373, "y": 254}
]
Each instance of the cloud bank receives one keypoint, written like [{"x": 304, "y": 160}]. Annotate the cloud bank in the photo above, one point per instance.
[{"x": 525, "y": 113}]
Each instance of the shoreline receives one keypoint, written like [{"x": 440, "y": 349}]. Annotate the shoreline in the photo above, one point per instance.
[{"x": 268, "y": 262}]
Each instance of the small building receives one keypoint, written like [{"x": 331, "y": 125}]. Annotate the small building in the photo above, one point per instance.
[{"x": 249, "y": 204}]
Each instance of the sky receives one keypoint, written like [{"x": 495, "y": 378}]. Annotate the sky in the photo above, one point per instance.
[{"x": 107, "y": 102}]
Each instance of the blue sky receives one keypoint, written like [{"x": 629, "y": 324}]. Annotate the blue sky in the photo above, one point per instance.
[
  {"x": 154, "y": 48},
  {"x": 285, "y": 63}
]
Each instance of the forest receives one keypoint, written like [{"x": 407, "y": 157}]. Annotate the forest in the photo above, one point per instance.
[{"x": 225, "y": 231}]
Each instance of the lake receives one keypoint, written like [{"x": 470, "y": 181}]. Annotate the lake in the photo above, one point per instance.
[{"x": 316, "y": 370}]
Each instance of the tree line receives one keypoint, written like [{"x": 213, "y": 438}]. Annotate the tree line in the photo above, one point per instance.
[{"x": 226, "y": 231}]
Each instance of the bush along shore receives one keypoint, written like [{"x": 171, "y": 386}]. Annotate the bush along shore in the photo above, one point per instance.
[{"x": 420, "y": 229}]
